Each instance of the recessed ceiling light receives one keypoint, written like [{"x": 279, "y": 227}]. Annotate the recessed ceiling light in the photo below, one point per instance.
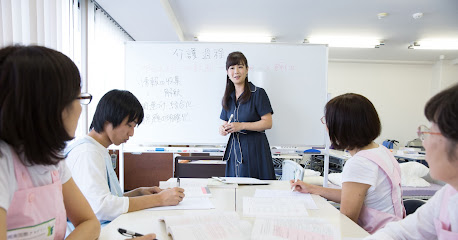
[{"x": 382, "y": 15}]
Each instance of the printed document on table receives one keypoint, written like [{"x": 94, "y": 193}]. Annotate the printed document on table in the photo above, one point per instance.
[
  {"x": 207, "y": 226},
  {"x": 294, "y": 228},
  {"x": 188, "y": 203},
  {"x": 241, "y": 180},
  {"x": 306, "y": 197},
  {"x": 197, "y": 192},
  {"x": 259, "y": 207}
]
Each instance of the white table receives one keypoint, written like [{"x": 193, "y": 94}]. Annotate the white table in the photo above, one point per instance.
[{"x": 224, "y": 199}]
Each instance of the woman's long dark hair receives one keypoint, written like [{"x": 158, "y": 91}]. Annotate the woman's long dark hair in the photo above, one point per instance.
[
  {"x": 235, "y": 58},
  {"x": 36, "y": 85}
]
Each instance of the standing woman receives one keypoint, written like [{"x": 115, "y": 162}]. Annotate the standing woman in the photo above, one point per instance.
[
  {"x": 246, "y": 114},
  {"x": 438, "y": 217},
  {"x": 371, "y": 189},
  {"x": 40, "y": 103}
]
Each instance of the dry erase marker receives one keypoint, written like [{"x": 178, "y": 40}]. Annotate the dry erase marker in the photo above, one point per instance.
[{"x": 230, "y": 118}]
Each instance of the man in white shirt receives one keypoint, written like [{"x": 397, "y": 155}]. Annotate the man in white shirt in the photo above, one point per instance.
[{"x": 117, "y": 113}]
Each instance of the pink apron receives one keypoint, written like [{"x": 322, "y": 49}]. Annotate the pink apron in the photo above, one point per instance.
[
  {"x": 443, "y": 227},
  {"x": 371, "y": 219},
  {"x": 36, "y": 206}
]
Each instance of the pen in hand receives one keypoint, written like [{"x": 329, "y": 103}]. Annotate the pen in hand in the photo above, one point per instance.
[
  {"x": 230, "y": 118},
  {"x": 295, "y": 180}
]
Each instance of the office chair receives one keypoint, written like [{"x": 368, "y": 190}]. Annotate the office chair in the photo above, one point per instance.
[
  {"x": 289, "y": 170},
  {"x": 411, "y": 205}
]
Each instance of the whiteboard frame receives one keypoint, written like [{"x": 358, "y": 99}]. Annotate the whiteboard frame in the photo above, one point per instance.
[{"x": 318, "y": 143}]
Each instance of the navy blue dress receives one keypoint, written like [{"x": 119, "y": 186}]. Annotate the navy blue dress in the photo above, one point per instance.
[{"x": 248, "y": 152}]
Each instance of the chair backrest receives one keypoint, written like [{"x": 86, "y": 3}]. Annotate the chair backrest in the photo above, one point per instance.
[
  {"x": 411, "y": 205},
  {"x": 290, "y": 169},
  {"x": 415, "y": 143}
]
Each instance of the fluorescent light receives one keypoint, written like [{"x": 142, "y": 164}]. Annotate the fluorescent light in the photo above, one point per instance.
[
  {"x": 234, "y": 38},
  {"x": 438, "y": 44},
  {"x": 347, "y": 42}
]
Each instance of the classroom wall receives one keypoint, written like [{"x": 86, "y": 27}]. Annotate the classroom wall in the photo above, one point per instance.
[
  {"x": 445, "y": 75},
  {"x": 398, "y": 91}
]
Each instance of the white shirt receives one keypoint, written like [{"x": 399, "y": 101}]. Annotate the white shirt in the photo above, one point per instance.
[
  {"x": 87, "y": 164},
  {"x": 361, "y": 170},
  {"x": 420, "y": 224},
  {"x": 40, "y": 175}
]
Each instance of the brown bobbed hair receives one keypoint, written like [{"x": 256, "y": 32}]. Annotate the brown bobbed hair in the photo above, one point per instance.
[
  {"x": 352, "y": 121},
  {"x": 442, "y": 109},
  {"x": 235, "y": 58},
  {"x": 36, "y": 85}
]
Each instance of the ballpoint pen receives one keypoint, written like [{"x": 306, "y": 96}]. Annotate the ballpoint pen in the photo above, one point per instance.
[
  {"x": 128, "y": 233},
  {"x": 295, "y": 180},
  {"x": 178, "y": 181}
]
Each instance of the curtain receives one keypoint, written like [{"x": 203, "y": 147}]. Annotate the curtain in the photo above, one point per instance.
[
  {"x": 51, "y": 23},
  {"x": 105, "y": 55}
]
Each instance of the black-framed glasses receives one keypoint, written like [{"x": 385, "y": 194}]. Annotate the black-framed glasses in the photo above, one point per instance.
[
  {"x": 323, "y": 120},
  {"x": 85, "y": 98},
  {"x": 423, "y": 132}
]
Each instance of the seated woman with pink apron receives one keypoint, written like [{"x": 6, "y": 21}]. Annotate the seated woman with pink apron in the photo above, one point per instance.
[
  {"x": 40, "y": 99},
  {"x": 438, "y": 217},
  {"x": 371, "y": 189}
]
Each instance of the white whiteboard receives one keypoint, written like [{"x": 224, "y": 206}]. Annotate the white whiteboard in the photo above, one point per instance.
[{"x": 181, "y": 85}]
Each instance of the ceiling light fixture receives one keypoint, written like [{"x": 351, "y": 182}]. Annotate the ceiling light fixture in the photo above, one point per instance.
[
  {"x": 346, "y": 42},
  {"x": 382, "y": 15},
  {"x": 436, "y": 44},
  {"x": 234, "y": 38}
]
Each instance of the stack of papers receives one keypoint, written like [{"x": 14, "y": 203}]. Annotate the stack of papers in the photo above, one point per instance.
[
  {"x": 280, "y": 203},
  {"x": 294, "y": 228},
  {"x": 224, "y": 225}
]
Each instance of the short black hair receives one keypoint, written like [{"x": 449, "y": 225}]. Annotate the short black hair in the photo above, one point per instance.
[
  {"x": 442, "y": 109},
  {"x": 36, "y": 85},
  {"x": 352, "y": 121},
  {"x": 114, "y": 106}
]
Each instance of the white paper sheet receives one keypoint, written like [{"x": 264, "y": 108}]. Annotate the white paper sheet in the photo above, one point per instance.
[
  {"x": 188, "y": 203},
  {"x": 196, "y": 192},
  {"x": 240, "y": 180},
  {"x": 209, "y": 226},
  {"x": 258, "y": 207},
  {"x": 294, "y": 229},
  {"x": 306, "y": 197}
]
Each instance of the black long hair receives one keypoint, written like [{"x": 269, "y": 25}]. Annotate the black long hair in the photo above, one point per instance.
[
  {"x": 235, "y": 58},
  {"x": 36, "y": 85}
]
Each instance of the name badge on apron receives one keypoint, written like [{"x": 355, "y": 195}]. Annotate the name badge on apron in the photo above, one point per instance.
[{"x": 44, "y": 231}]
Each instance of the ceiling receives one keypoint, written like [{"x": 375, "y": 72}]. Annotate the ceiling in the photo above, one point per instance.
[{"x": 290, "y": 21}]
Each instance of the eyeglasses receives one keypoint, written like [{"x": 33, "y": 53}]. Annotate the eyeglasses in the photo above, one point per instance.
[
  {"x": 85, "y": 98},
  {"x": 323, "y": 120},
  {"x": 423, "y": 131}
]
